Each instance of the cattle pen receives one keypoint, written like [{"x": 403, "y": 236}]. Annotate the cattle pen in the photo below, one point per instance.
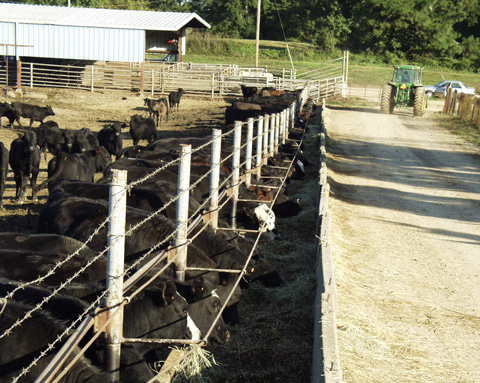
[
  {"x": 250, "y": 150},
  {"x": 271, "y": 132}
]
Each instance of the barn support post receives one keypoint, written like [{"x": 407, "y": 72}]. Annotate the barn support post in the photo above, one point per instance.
[
  {"x": 182, "y": 210},
  {"x": 248, "y": 153},
  {"x": 215, "y": 176},
  {"x": 115, "y": 265},
  {"x": 258, "y": 156},
  {"x": 237, "y": 138},
  {"x": 271, "y": 136},
  {"x": 266, "y": 130},
  {"x": 19, "y": 74}
]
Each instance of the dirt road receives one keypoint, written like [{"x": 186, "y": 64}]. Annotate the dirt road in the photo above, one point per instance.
[{"x": 405, "y": 234}]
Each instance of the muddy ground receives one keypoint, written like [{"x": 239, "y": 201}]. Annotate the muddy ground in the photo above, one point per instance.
[{"x": 274, "y": 339}]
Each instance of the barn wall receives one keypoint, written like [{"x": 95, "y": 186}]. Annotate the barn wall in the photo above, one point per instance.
[
  {"x": 78, "y": 43},
  {"x": 7, "y": 36}
]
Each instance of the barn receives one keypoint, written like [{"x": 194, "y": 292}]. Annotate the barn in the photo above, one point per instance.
[{"x": 91, "y": 34}]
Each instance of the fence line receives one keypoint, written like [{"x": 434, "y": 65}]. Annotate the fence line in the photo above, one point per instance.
[
  {"x": 269, "y": 131},
  {"x": 206, "y": 80},
  {"x": 464, "y": 106},
  {"x": 326, "y": 361}
]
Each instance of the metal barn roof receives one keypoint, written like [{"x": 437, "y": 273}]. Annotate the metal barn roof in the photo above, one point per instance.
[{"x": 104, "y": 18}]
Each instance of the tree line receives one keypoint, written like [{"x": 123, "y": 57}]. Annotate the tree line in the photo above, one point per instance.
[{"x": 433, "y": 32}]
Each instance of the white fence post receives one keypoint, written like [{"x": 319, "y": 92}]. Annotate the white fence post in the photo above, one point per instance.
[
  {"x": 248, "y": 152},
  {"x": 182, "y": 210},
  {"x": 271, "y": 135},
  {"x": 215, "y": 176},
  {"x": 115, "y": 265},
  {"x": 237, "y": 138},
  {"x": 266, "y": 129},
  {"x": 258, "y": 156}
]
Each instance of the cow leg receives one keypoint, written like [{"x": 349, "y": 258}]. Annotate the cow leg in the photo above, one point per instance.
[
  {"x": 34, "y": 183},
  {"x": 31, "y": 123}
]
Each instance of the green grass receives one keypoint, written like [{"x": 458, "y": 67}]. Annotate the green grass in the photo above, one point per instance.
[{"x": 464, "y": 129}]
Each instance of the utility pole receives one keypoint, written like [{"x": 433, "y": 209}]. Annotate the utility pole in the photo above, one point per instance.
[{"x": 257, "y": 41}]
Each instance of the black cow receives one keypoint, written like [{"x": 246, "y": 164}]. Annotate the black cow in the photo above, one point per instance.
[
  {"x": 143, "y": 129},
  {"x": 3, "y": 170},
  {"x": 6, "y": 110},
  {"x": 25, "y": 257},
  {"x": 156, "y": 312},
  {"x": 77, "y": 166},
  {"x": 131, "y": 151},
  {"x": 77, "y": 218},
  {"x": 249, "y": 92},
  {"x": 233, "y": 114},
  {"x": 26, "y": 342},
  {"x": 49, "y": 137},
  {"x": 68, "y": 140},
  {"x": 84, "y": 140},
  {"x": 174, "y": 98},
  {"x": 24, "y": 159},
  {"x": 33, "y": 112},
  {"x": 111, "y": 138}
]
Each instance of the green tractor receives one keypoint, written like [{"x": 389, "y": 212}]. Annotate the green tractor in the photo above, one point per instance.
[{"x": 404, "y": 90}]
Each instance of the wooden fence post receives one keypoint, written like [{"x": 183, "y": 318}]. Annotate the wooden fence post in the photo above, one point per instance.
[
  {"x": 215, "y": 176},
  {"x": 153, "y": 83},
  {"x": 271, "y": 136},
  {"x": 115, "y": 265},
  {"x": 182, "y": 210},
  {"x": 237, "y": 138}
]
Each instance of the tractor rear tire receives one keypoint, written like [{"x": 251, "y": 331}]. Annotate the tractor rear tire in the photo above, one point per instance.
[
  {"x": 420, "y": 102},
  {"x": 386, "y": 103}
]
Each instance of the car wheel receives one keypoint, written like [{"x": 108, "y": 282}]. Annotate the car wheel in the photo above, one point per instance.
[{"x": 429, "y": 93}]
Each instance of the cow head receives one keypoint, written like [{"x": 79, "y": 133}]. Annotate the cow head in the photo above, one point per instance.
[
  {"x": 266, "y": 219},
  {"x": 49, "y": 111}
]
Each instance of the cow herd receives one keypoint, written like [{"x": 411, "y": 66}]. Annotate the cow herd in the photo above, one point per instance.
[{"x": 76, "y": 208}]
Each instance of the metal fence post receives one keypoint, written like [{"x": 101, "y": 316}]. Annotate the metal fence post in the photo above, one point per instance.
[
  {"x": 182, "y": 210},
  {"x": 266, "y": 129},
  {"x": 153, "y": 82},
  {"x": 258, "y": 156},
  {"x": 115, "y": 265},
  {"x": 248, "y": 153},
  {"x": 237, "y": 138},
  {"x": 271, "y": 135},
  {"x": 215, "y": 176}
]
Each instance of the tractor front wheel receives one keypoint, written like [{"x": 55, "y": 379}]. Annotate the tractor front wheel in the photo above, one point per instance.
[
  {"x": 420, "y": 102},
  {"x": 386, "y": 103}
]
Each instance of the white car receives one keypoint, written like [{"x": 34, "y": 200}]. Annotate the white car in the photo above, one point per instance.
[{"x": 440, "y": 89}]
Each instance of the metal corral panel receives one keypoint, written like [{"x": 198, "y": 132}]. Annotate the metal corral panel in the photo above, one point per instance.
[
  {"x": 94, "y": 17},
  {"x": 81, "y": 43}
]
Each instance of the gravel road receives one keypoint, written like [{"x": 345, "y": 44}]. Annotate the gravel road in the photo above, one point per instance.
[{"x": 405, "y": 203}]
